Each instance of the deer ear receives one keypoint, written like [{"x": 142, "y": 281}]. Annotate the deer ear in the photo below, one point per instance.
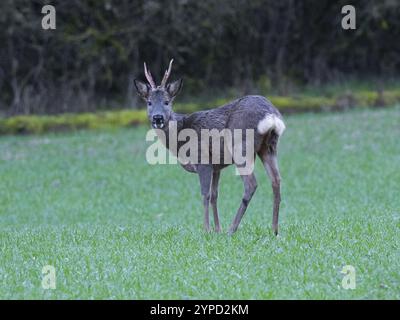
[
  {"x": 142, "y": 88},
  {"x": 174, "y": 87}
]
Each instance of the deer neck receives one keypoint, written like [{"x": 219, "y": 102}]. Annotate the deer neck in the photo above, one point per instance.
[{"x": 171, "y": 132}]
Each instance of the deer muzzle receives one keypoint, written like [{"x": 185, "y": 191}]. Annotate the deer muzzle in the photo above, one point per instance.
[{"x": 158, "y": 121}]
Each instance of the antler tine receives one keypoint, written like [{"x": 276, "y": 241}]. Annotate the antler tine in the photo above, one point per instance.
[
  {"x": 167, "y": 74},
  {"x": 149, "y": 77}
]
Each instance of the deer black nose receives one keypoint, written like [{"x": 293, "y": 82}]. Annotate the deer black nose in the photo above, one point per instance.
[
  {"x": 158, "y": 121},
  {"x": 158, "y": 118}
]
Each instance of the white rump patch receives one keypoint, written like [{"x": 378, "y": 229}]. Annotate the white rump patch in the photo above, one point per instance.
[{"x": 270, "y": 122}]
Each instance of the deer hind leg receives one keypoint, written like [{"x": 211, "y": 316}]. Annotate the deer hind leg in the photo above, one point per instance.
[
  {"x": 205, "y": 175},
  {"x": 213, "y": 199},
  {"x": 250, "y": 186},
  {"x": 268, "y": 155},
  {"x": 245, "y": 167}
]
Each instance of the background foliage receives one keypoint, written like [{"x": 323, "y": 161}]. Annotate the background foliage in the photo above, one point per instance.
[{"x": 89, "y": 61}]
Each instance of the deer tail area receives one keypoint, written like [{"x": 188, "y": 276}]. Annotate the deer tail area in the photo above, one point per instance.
[{"x": 271, "y": 122}]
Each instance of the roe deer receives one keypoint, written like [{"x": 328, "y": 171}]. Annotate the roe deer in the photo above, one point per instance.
[{"x": 249, "y": 112}]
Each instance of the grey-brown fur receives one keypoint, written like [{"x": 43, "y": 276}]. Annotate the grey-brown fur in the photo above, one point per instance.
[{"x": 243, "y": 113}]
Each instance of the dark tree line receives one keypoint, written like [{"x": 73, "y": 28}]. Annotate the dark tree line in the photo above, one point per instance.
[{"x": 89, "y": 61}]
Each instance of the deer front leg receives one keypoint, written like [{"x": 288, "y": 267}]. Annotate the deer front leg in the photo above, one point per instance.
[
  {"x": 205, "y": 175},
  {"x": 213, "y": 199},
  {"x": 250, "y": 186}
]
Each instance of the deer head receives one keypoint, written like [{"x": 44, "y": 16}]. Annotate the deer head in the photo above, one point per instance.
[{"x": 159, "y": 98}]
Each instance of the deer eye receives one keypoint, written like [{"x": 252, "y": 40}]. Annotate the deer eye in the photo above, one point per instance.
[
  {"x": 149, "y": 103},
  {"x": 166, "y": 103}
]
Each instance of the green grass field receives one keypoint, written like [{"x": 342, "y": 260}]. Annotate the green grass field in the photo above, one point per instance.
[{"x": 115, "y": 227}]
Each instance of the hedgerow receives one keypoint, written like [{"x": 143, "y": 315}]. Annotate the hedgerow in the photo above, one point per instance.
[{"x": 35, "y": 124}]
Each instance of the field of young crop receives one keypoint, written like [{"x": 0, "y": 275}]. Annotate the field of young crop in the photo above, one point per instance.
[{"x": 115, "y": 227}]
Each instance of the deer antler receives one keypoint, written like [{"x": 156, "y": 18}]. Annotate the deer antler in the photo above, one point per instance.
[
  {"x": 149, "y": 77},
  {"x": 166, "y": 75}
]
